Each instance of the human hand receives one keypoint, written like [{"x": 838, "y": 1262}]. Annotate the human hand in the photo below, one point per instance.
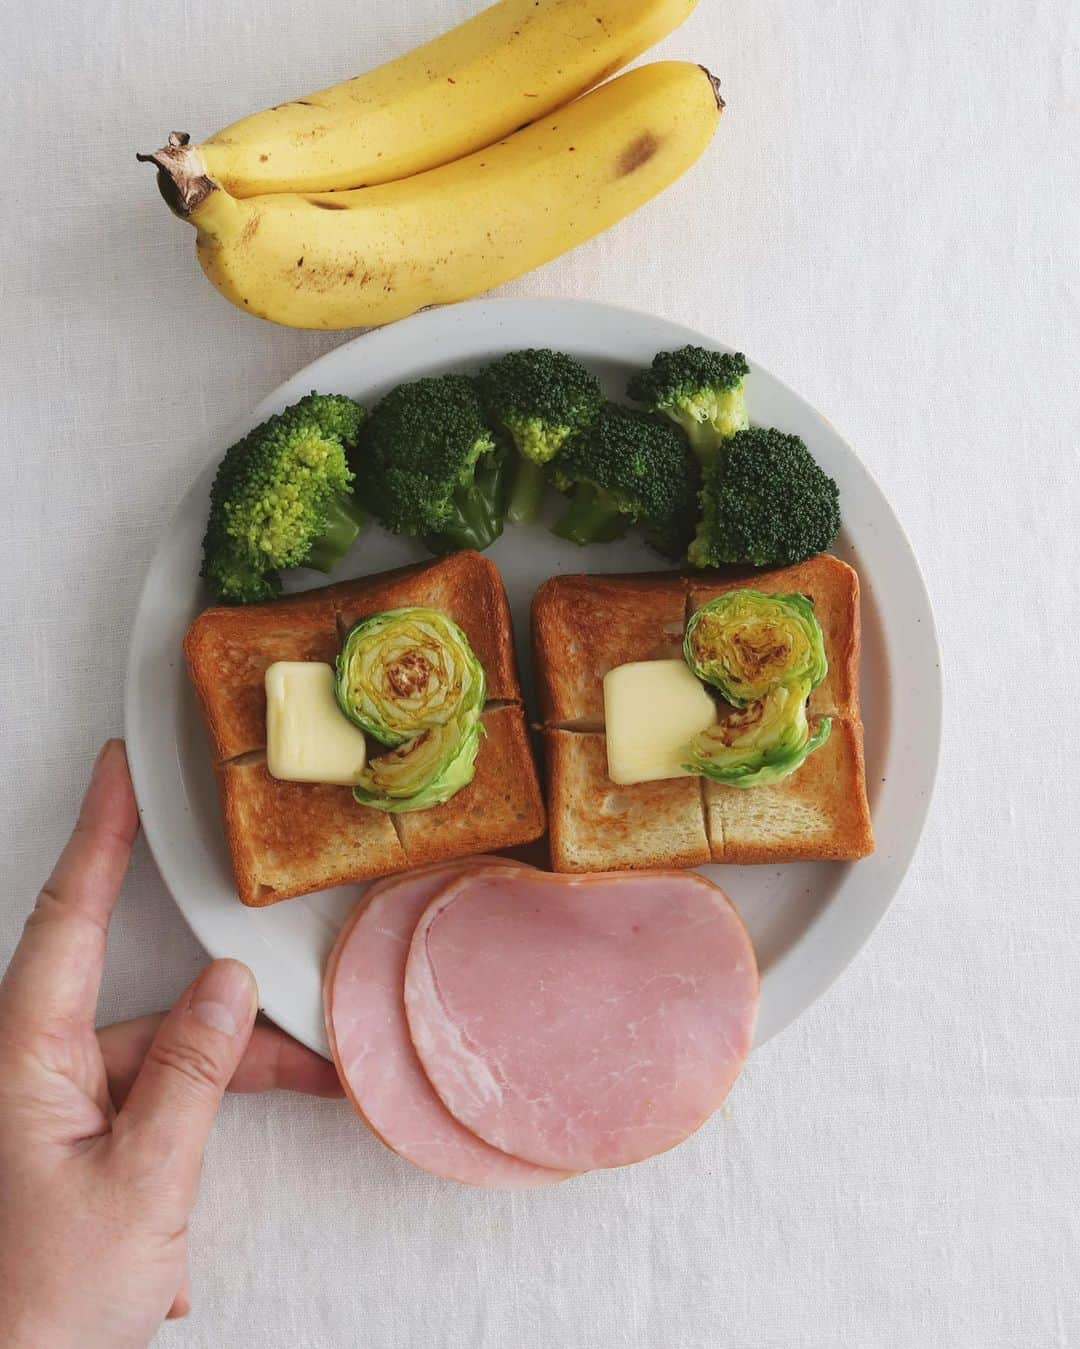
[{"x": 102, "y": 1133}]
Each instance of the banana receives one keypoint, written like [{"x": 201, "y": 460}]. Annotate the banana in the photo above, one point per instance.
[
  {"x": 507, "y": 66},
  {"x": 367, "y": 257}
]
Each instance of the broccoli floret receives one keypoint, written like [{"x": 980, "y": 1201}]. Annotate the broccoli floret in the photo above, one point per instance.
[
  {"x": 700, "y": 391},
  {"x": 765, "y": 502},
  {"x": 539, "y": 398},
  {"x": 427, "y": 465},
  {"x": 629, "y": 469},
  {"x": 332, "y": 413},
  {"x": 282, "y": 499}
]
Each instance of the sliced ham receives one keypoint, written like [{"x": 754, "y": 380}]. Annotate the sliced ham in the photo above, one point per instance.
[
  {"x": 369, "y": 1037},
  {"x": 581, "y": 1022}
]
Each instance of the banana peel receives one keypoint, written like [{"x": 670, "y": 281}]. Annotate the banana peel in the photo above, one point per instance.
[{"x": 369, "y": 256}]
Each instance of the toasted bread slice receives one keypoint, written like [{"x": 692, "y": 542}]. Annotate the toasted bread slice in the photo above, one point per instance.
[
  {"x": 228, "y": 651},
  {"x": 820, "y": 812},
  {"x": 290, "y": 838},
  {"x": 467, "y": 586},
  {"x": 596, "y": 826},
  {"x": 584, "y": 626},
  {"x": 833, "y": 588},
  {"x": 501, "y": 808}
]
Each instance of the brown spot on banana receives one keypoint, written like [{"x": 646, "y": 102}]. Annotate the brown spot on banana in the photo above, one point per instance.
[
  {"x": 637, "y": 153},
  {"x": 327, "y": 205},
  {"x": 314, "y": 133}
]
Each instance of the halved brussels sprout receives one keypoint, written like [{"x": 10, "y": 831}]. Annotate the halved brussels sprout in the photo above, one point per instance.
[
  {"x": 406, "y": 671},
  {"x": 760, "y": 744},
  {"x": 745, "y": 643},
  {"x": 425, "y": 772}
]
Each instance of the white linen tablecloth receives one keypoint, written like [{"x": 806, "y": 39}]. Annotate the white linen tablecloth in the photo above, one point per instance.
[{"x": 888, "y": 220}]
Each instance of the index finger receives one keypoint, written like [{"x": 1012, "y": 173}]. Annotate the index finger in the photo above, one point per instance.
[
  {"x": 272, "y": 1061},
  {"x": 55, "y": 973}
]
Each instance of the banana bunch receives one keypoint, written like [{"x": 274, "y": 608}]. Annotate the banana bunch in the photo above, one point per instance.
[{"x": 454, "y": 168}]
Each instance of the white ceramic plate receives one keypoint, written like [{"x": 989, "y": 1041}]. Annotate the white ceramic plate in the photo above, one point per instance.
[{"x": 807, "y": 920}]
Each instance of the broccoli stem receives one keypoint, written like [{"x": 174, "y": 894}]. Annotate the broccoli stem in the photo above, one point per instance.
[
  {"x": 704, "y": 440},
  {"x": 344, "y": 517},
  {"x": 592, "y": 518},
  {"x": 478, "y": 511},
  {"x": 527, "y": 494}
]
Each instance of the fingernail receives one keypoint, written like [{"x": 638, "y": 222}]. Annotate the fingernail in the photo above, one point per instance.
[
  {"x": 224, "y": 998},
  {"x": 103, "y": 753}
]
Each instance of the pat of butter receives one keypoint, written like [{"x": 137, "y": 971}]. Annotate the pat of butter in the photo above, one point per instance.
[
  {"x": 652, "y": 710},
  {"x": 308, "y": 737}
]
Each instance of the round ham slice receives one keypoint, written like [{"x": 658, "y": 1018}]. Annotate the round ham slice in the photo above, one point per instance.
[
  {"x": 581, "y": 1022},
  {"x": 369, "y": 1037}
]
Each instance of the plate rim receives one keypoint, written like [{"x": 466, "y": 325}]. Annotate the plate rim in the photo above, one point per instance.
[{"x": 856, "y": 933}]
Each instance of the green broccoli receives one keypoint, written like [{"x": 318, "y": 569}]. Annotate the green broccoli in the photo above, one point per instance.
[
  {"x": 629, "y": 469},
  {"x": 765, "y": 502},
  {"x": 700, "y": 391},
  {"x": 282, "y": 499},
  {"x": 539, "y": 398},
  {"x": 427, "y": 465},
  {"x": 332, "y": 413}
]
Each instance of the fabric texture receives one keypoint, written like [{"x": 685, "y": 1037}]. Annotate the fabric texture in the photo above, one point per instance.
[{"x": 887, "y": 220}]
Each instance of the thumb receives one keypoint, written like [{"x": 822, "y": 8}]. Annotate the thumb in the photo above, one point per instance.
[{"x": 171, "y": 1108}]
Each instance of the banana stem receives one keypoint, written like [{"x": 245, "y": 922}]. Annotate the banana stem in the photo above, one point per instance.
[{"x": 182, "y": 177}]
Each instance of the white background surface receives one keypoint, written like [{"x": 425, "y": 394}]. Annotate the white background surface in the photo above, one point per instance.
[{"x": 888, "y": 220}]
